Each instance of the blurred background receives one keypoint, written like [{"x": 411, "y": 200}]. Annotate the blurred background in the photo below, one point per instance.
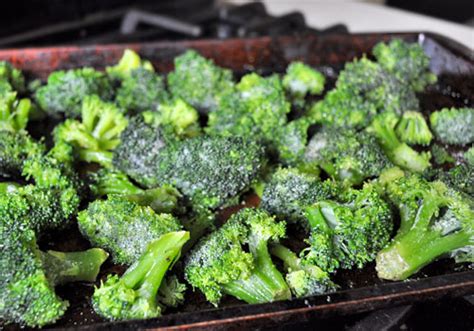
[{"x": 55, "y": 22}]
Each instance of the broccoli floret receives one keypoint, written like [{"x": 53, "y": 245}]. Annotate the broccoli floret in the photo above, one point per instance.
[
  {"x": 134, "y": 295},
  {"x": 162, "y": 199},
  {"x": 434, "y": 222},
  {"x": 129, "y": 62},
  {"x": 302, "y": 278},
  {"x": 13, "y": 112},
  {"x": 343, "y": 109},
  {"x": 348, "y": 232},
  {"x": 440, "y": 155},
  {"x": 383, "y": 127},
  {"x": 469, "y": 156},
  {"x": 453, "y": 126},
  {"x": 29, "y": 275},
  {"x": 123, "y": 227},
  {"x": 289, "y": 191},
  {"x": 413, "y": 129},
  {"x": 300, "y": 80},
  {"x": 14, "y": 77},
  {"x": 198, "y": 81},
  {"x": 178, "y": 115},
  {"x": 222, "y": 168},
  {"x": 407, "y": 61},
  {"x": 171, "y": 292},
  {"x": 65, "y": 91},
  {"x": 460, "y": 177},
  {"x": 256, "y": 108},
  {"x": 291, "y": 141},
  {"x": 347, "y": 156},
  {"x": 222, "y": 264},
  {"x": 368, "y": 80},
  {"x": 97, "y": 134}
]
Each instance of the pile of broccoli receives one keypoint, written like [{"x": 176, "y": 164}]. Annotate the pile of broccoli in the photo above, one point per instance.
[{"x": 144, "y": 165}]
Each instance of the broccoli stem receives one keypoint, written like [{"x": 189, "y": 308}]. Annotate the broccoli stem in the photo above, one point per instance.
[
  {"x": 265, "y": 284},
  {"x": 148, "y": 272},
  {"x": 67, "y": 267},
  {"x": 162, "y": 199},
  {"x": 289, "y": 258},
  {"x": 116, "y": 184},
  {"x": 103, "y": 158}
]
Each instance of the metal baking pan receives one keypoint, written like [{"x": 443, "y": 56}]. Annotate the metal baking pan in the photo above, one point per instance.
[{"x": 360, "y": 290}]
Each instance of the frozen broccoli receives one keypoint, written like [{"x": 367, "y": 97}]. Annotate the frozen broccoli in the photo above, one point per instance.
[
  {"x": 65, "y": 90},
  {"x": 413, "y": 129},
  {"x": 453, "y": 126},
  {"x": 291, "y": 141},
  {"x": 129, "y": 62},
  {"x": 434, "y": 221},
  {"x": 300, "y": 80},
  {"x": 14, "y": 112},
  {"x": 13, "y": 77},
  {"x": 198, "y": 81},
  {"x": 135, "y": 294},
  {"x": 440, "y": 155},
  {"x": 460, "y": 178},
  {"x": 235, "y": 260},
  {"x": 469, "y": 156}
]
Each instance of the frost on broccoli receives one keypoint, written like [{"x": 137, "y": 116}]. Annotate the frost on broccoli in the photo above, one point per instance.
[
  {"x": 65, "y": 90},
  {"x": 198, "y": 81},
  {"x": 300, "y": 79},
  {"x": 407, "y": 61},
  {"x": 453, "y": 126},
  {"x": 221, "y": 263},
  {"x": 435, "y": 221}
]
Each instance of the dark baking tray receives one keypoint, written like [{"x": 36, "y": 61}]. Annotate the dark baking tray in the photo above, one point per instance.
[{"x": 360, "y": 290}]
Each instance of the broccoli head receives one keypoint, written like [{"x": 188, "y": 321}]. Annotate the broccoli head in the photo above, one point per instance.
[
  {"x": 198, "y": 81},
  {"x": 453, "y": 126},
  {"x": 123, "y": 227},
  {"x": 407, "y": 61},
  {"x": 14, "y": 77},
  {"x": 413, "y": 129},
  {"x": 129, "y": 62},
  {"x": 434, "y": 222},
  {"x": 469, "y": 156},
  {"x": 13, "y": 112},
  {"x": 134, "y": 295},
  {"x": 347, "y": 156},
  {"x": 222, "y": 264},
  {"x": 300, "y": 80},
  {"x": 440, "y": 155},
  {"x": 290, "y": 190},
  {"x": 65, "y": 90},
  {"x": 291, "y": 141},
  {"x": 460, "y": 178},
  {"x": 98, "y": 132},
  {"x": 348, "y": 232}
]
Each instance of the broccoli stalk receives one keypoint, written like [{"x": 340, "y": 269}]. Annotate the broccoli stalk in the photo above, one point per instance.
[
  {"x": 67, "y": 267},
  {"x": 304, "y": 279},
  {"x": 413, "y": 129},
  {"x": 434, "y": 222},
  {"x": 13, "y": 112},
  {"x": 134, "y": 295},
  {"x": 402, "y": 155}
]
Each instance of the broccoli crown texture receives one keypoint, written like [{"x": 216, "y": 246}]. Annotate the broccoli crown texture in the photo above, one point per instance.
[
  {"x": 469, "y": 156},
  {"x": 460, "y": 177},
  {"x": 434, "y": 222},
  {"x": 65, "y": 90},
  {"x": 289, "y": 191},
  {"x": 347, "y": 156},
  {"x": 348, "y": 232},
  {"x": 134, "y": 295},
  {"x": 413, "y": 129},
  {"x": 440, "y": 155},
  {"x": 123, "y": 228},
  {"x": 220, "y": 263},
  {"x": 300, "y": 79},
  {"x": 198, "y": 81},
  {"x": 129, "y": 62},
  {"x": 291, "y": 141},
  {"x": 14, "y": 77},
  {"x": 407, "y": 61},
  {"x": 453, "y": 126},
  {"x": 209, "y": 170},
  {"x": 13, "y": 112}
]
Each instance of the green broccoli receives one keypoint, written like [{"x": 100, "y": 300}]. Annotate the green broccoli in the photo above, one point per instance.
[
  {"x": 13, "y": 112},
  {"x": 434, "y": 221},
  {"x": 97, "y": 134},
  {"x": 407, "y": 61},
  {"x": 440, "y": 155},
  {"x": 300, "y": 80},
  {"x": 383, "y": 127},
  {"x": 413, "y": 129},
  {"x": 12, "y": 76},
  {"x": 198, "y": 81},
  {"x": 349, "y": 231},
  {"x": 235, "y": 260},
  {"x": 347, "y": 156},
  {"x": 129, "y": 62},
  {"x": 469, "y": 156},
  {"x": 29, "y": 275},
  {"x": 291, "y": 141},
  {"x": 460, "y": 177},
  {"x": 453, "y": 126},
  {"x": 65, "y": 90},
  {"x": 289, "y": 191},
  {"x": 134, "y": 295},
  {"x": 222, "y": 168},
  {"x": 368, "y": 80},
  {"x": 304, "y": 279},
  {"x": 342, "y": 108},
  {"x": 162, "y": 199}
]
